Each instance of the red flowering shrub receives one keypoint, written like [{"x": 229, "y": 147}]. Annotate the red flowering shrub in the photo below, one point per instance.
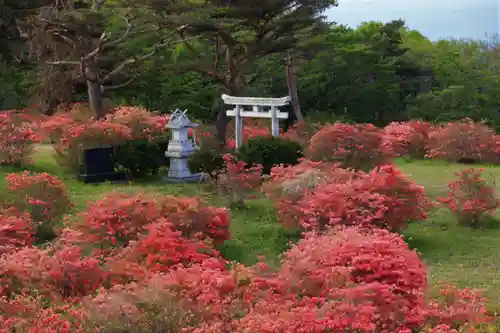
[
  {"x": 162, "y": 247},
  {"x": 353, "y": 146},
  {"x": 470, "y": 197},
  {"x": 407, "y": 139},
  {"x": 238, "y": 180},
  {"x": 463, "y": 141},
  {"x": 141, "y": 122},
  {"x": 26, "y": 270},
  {"x": 347, "y": 280},
  {"x": 194, "y": 218},
  {"x": 119, "y": 218},
  {"x": 343, "y": 281},
  {"x": 18, "y": 134},
  {"x": 73, "y": 274},
  {"x": 89, "y": 135},
  {"x": 16, "y": 230},
  {"x": 71, "y": 132},
  {"x": 116, "y": 219},
  {"x": 252, "y": 128},
  {"x": 301, "y": 132},
  {"x": 167, "y": 302},
  {"x": 27, "y": 314},
  {"x": 456, "y": 306},
  {"x": 384, "y": 197},
  {"x": 287, "y": 186},
  {"x": 66, "y": 273},
  {"x": 44, "y": 196}
]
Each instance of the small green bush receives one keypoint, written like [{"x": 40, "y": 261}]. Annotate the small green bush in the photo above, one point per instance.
[
  {"x": 140, "y": 158},
  {"x": 207, "y": 161},
  {"x": 270, "y": 151}
]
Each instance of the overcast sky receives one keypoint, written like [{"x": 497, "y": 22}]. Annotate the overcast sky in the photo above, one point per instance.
[{"x": 434, "y": 18}]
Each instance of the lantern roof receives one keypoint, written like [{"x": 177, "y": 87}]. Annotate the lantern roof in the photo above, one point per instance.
[{"x": 179, "y": 120}]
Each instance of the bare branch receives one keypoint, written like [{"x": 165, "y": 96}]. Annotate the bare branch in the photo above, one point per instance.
[
  {"x": 100, "y": 43},
  {"x": 57, "y": 24},
  {"x": 117, "y": 86},
  {"x": 123, "y": 37},
  {"x": 67, "y": 40},
  {"x": 63, "y": 62}
]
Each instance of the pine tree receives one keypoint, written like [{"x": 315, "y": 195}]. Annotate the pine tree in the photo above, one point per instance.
[{"x": 235, "y": 35}]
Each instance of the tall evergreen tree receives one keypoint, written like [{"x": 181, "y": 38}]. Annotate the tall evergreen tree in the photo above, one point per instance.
[{"x": 235, "y": 35}]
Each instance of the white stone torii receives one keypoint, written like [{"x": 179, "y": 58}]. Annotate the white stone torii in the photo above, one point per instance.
[{"x": 257, "y": 103}]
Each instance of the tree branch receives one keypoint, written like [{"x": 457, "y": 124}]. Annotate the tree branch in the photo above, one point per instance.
[
  {"x": 259, "y": 74},
  {"x": 117, "y": 86},
  {"x": 134, "y": 60},
  {"x": 67, "y": 40},
  {"x": 63, "y": 62},
  {"x": 217, "y": 53},
  {"x": 123, "y": 37},
  {"x": 99, "y": 47}
]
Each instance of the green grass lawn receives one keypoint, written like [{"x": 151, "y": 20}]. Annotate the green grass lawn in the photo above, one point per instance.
[{"x": 466, "y": 257}]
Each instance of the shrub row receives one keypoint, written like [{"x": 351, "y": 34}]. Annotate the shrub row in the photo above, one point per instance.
[
  {"x": 146, "y": 263},
  {"x": 363, "y": 146},
  {"x": 138, "y": 134},
  {"x": 141, "y": 139}
]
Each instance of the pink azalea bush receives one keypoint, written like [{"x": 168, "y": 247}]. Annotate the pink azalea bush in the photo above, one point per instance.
[
  {"x": 356, "y": 146},
  {"x": 44, "y": 196},
  {"x": 407, "y": 138},
  {"x": 463, "y": 141},
  {"x": 18, "y": 135},
  {"x": 71, "y": 133},
  {"x": 238, "y": 180},
  {"x": 316, "y": 196},
  {"x": 471, "y": 197}
]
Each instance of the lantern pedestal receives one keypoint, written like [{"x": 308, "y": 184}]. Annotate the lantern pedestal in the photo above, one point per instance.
[{"x": 180, "y": 147}]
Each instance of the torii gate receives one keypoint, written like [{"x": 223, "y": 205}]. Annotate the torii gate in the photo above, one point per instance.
[{"x": 258, "y": 105}]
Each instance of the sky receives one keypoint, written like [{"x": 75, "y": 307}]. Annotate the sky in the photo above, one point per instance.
[{"x": 435, "y": 19}]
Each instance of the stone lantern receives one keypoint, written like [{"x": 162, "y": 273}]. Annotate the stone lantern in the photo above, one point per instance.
[{"x": 180, "y": 147}]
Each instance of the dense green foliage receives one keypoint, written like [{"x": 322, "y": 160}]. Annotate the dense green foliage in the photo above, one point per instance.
[
  {"x": 139, "y": 158},
  {"x": 270, "y": 151},
  {"x": 377, "y": 72},
  {"x": 206, "y": 160}
]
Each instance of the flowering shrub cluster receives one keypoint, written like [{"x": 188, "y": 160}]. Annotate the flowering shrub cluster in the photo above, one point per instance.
[
  {"x": 141, "y": 122},
  {"x": 44, "y": 196},
  {"x": 16, "y": 230},
  {"x": 316, "y": 196},
  {"x": 18, "y": 134},
  {"x": 238, "y": 180},
  {"x": 470, "y": 197},
  {"x": 145, "y": 263},
  {"x": 463, "y": 141},
  {"x": 287, "y": 186},
  {"x": 71, "y": 134},
  {"x": 384, "y": 198},
  {"x": 347, "y": 280},
  {"x": 117, "y": 240},
  {"x": 301, "y": 132},
  {"x": 356, "y": 146},
  {"x": 407, "y": 138},
  {"x": 252, "y": 128}
]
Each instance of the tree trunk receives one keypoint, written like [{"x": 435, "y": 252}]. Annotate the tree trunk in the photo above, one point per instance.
[
  {"x": 223, "y": 120},
  {"x": 291, "y": 80},
  {"x": 95, "y": 99},
  {"x": 231, "y": 87}
]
